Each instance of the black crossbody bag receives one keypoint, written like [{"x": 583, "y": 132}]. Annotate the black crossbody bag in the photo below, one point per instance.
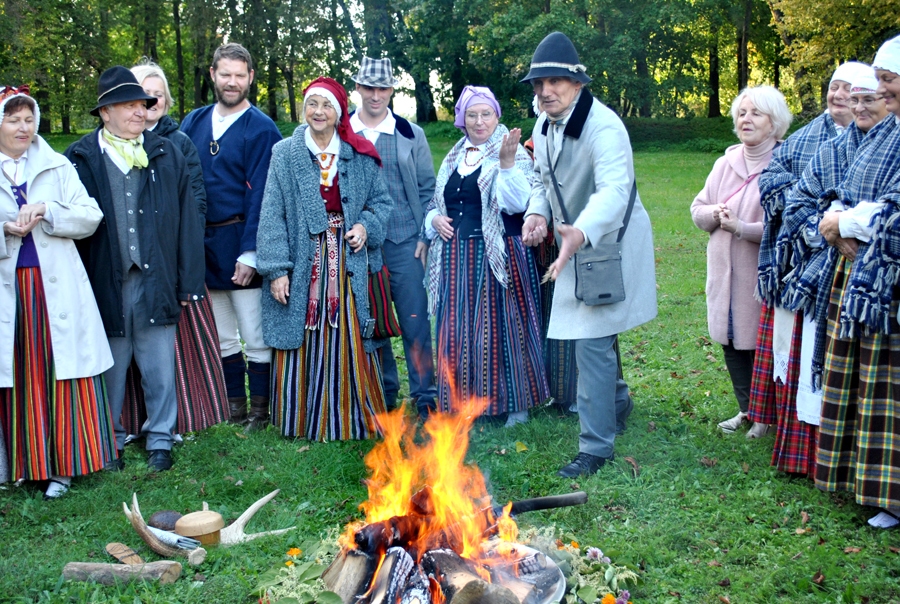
[{"x": 598, "y": 268}]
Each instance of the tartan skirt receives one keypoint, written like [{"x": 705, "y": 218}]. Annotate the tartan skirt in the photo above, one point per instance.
[
  {"x": 859, "y": 436},
  {"x": 488, "y": 336},
  {"x": 330, "y": 388},
  {"x": 795, "y": 441},
  {"x": 199, "y": 380},
  {"x": 762, "y": 386},
  {"x": 51, "y": 427},
  {"x": 559, "y": 355}
]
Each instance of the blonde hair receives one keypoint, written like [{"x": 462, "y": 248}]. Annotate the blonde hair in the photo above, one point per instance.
[
  {"x": 770, "y": 103},
  {"x": 148, "y": 69}
]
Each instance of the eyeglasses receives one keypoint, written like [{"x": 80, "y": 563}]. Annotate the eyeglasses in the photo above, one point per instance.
[
  {"x": 867, "y": 102},
  {"x": 315, "y": 106},
  {"x": 484, "y": 115}
]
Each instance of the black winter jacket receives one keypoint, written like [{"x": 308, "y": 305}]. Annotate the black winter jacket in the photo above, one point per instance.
[
  {"x": 168, "y": 128},
  {"x": 169, "y": 230}
]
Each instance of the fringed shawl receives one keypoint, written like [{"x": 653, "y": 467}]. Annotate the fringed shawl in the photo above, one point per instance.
[
  {"x": 492, "y": 224},
  {"x": 775, "y": 184}
]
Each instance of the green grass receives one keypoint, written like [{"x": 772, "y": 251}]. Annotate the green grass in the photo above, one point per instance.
[{"x": 730, "y": 527}]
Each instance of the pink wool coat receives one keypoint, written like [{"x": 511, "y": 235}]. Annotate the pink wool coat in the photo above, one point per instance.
[{"x": 732, "y": 259}]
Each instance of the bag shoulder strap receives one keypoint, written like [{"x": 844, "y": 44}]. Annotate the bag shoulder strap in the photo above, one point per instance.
[{"x": 562, "y": 205}]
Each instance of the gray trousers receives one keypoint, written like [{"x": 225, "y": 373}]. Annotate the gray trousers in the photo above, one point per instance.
[
  {"x": 411, "y": 304},
  {"x": 602, "y": 394},
  {"x": 153, "y": 347}
]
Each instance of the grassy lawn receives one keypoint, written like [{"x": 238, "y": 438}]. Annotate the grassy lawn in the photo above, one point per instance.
[{"x": 704, "y": 518}]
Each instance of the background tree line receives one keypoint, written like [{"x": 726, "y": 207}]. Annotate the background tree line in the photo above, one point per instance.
[{"x": 648, "y": 58}]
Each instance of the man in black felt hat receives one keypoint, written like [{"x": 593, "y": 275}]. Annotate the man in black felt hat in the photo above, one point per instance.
[
  {"x": 145, "y": 260},
  {"x": 588, "y": 201}
]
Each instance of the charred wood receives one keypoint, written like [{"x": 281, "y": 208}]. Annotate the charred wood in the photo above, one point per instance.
[{"x": 349, "y": 574}]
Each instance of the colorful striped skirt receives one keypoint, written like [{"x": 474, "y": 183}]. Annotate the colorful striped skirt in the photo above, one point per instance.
[
  {"x": 559, "y": 355},
  {"x": 859, "y": 436},
  {"x": 51, "y": 427},
  {"x": 795, "y": 441},
  {"x": 329, "y": 388},
  {"x": 488, "y": 337},
  {"x": 199, "y": 380},
  {"x": 762, "y": 386}
]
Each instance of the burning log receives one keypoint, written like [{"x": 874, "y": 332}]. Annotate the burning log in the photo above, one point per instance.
[
  {"x": 349, "y": 574},
  {"x": 417, "y": 589},
  {"x": 450, "y": 570},
  {"x": 391, "y": 577},
  {"x": 404, "y": 531}
]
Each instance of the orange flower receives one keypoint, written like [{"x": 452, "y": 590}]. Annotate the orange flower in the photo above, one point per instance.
[
  {"x": 294, "y": 552},
  {"x": 289, "y": 563},
  {"x": 559, "y": 544},
  {"x": 575, "y": 544},
  {"x": 608, "y": 599}
]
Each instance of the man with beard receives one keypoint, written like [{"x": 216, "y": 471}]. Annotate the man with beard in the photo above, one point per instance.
[{"x": 235, "y": 142}]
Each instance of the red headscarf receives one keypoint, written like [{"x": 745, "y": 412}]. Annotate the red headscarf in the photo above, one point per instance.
[{"x": 360, "y": 143}]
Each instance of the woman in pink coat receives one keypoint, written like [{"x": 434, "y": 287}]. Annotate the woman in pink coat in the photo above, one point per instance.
[{"x": 728, "y": 208}]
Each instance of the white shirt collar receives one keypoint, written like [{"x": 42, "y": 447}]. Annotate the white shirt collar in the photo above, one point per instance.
[
  {"x": 14, "y": 168},
  {"x": 387, "y": 126},
  {"x": 469, "y": 160},
  {"x": 221, "y": 123},
  {"x": 116, "y": 159},
  {"x": 334, "y": 146}
]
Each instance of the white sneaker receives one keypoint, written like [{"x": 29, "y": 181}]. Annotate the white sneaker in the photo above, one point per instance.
[
  {"x": 758, "y": 430},
  {"x": 57, "y": 487},
  {"x": 730, "y": 425},
  {"x": 517, "y": 417}
]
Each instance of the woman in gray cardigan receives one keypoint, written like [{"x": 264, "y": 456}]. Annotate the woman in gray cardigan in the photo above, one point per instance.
[{"x": 322, "y": 223}]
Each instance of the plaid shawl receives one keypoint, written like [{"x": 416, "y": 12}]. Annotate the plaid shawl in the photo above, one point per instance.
[
  {"x": 775, "y": 184},
  {"x": 874, "y": 176},
  {"x": 492, "y": 224},
  {"x": 807, "y": 287}
]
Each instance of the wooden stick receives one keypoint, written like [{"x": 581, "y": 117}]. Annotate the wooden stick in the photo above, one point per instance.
[{"x": 162, "y": 572}]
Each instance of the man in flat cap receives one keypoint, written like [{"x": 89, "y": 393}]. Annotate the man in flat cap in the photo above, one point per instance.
[
  {"x": 409, "y": 174},
  {"x": 145, "y": 260},
  {"x": 585, "y": 145}
]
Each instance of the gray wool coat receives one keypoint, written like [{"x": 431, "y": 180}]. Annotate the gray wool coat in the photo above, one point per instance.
[
  {"x": 595, "y": 170},
  {"x": 292, "y": 218}
]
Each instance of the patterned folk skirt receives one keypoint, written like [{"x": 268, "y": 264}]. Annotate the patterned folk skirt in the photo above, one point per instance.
[
  {"x": 488, "y": 337},
  {"x": 51, "y": 427},
  {"x": 330, "y": 388},
  {"x": 762, "y": 386},
  {"x": 199, "y": 380},
  {"x": 559, "y": 355},
  {"x": 859, "y": 436},
  {"x": 795, "y": 441}
]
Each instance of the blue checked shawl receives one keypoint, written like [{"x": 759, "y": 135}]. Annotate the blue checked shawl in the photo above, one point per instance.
[
  {"x": 807, "y": 287},
  {"x": 775, "y": 184},
  {"x": 492, "y": 224},
  {"x": 874, "y": 176}
]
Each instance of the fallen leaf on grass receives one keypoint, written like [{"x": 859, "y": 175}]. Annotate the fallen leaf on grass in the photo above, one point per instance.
[
  {"x": 634, "y": 465},
  {"x": 896, "y": 550},
  {"x": 851, "y": 550},
  {"x": 714, "y": 563},
  {"x": 818, "y": 578},
  {"x": 676, "y": 376},
  {"x": 745, "y": 467},
  {"x": 804, "y": 517},
  {"x": 726, "y": 582},
  {"x": 706, "y": 461},
  {"x": 303, "y": 449},
  {"x": 520, "y": 447},
  {"x": 674, "y": 594},
  {"x": 501, "y": 452},
  {"x": 796, "y": 556},
  {"x": 241, "y": 435},
  {"x": 800, "y": 531},
  {"x": 651, "y": 426},
  {"x": 725, "y": 599},
  {"x": 710, "y": 358}
]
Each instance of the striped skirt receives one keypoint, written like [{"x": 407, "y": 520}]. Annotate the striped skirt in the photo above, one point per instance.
[
  {"x": 762, "y": 386},
  {"x": 488, "y": 337},
  {"x": 329, "y": 388},
  {"x": 859, "y": 436},
  {"x": 51, "y": 427},
  {"x": 795, "y": 441},
  {"x": 559, "y": 355},
  {"x": 199, "y": 381}
]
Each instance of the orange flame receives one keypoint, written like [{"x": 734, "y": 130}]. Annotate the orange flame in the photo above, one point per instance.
[{"x": 430, "y": 482}]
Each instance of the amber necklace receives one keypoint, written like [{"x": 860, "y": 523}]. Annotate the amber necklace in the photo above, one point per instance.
[
  {"x": 477, "y": 159},
  {"x": 325, "y": 169}
]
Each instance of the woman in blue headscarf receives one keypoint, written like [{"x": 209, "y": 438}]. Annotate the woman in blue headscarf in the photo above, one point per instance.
[{"x": 482, "y": 280}]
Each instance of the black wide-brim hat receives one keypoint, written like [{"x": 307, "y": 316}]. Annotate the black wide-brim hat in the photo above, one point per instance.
[
  {"x": 556, "y": 56},
  {"x": 118, "y": 85}
]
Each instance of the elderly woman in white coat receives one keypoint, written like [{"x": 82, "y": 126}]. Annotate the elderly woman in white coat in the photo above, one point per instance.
[
  {"x": 592, "y": 161},
  {"x": 53, "y": 349}
]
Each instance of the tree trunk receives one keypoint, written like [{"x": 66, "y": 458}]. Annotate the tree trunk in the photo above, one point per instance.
[
  {"x": 743, "y": 42},
  {"x": 715, "y": 109},
  {"x": 643, "y": 72},
  {"x": 288, "y": 73},
  {"x": 272, "y": 87},
  {"x": 42, "y": 97},
  {"x": 179, "y": 56},
  {"x": 377, "y": 22},
  {"x": 425, "y": 110},
  {"x": 351, "y": 29}
]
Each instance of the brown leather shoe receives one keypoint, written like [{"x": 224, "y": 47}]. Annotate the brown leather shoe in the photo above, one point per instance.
[
  {"x": 238, "y": 407},
  {"x": 259, "y": 413}
]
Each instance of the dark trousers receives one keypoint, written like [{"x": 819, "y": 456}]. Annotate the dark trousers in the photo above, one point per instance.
[{"x": 740, "y": 368}]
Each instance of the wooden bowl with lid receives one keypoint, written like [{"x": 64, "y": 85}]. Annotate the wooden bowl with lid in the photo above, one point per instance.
[{"x": 203, "y": 526}]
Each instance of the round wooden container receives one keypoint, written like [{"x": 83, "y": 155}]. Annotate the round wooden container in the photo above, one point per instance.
[{"x": 203, "y": 526}]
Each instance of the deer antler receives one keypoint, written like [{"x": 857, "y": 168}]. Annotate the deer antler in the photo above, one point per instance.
[
  {"x": 234, "y": 533},
  {"x": 194, "y": 556}
]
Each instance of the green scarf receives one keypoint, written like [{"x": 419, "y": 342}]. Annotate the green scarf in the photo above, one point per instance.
[{"x": 130, "y": 150}]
